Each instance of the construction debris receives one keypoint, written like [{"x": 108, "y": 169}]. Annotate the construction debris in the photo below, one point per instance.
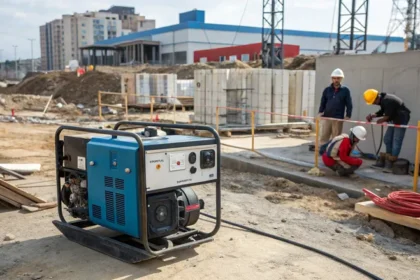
[{"x": 15, "y": 196}]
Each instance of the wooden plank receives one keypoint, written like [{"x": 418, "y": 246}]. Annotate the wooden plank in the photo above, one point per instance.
[
  {"x": 11, "y": 202},
  {"x": 369, "y": 207},
  {"x": 29, "y": 196},
  {"x": 46, "y": 205},
  {"x": 31, "y": 208},
  {"x": 14, "y": 196}
]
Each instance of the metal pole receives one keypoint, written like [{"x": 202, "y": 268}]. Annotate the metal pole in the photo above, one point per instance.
[
  {"x": 32, "y": 54},
  {"x": 353, "y": 16},
  {"x": 366, "y": 24},
  {"x": 316, "y": 141},
  {"x": 273, "y": 31},
  {"x": 413, "y": 39},
  {"x": 15, "y": 63},
  {"x": 217, "y": 119},
  {"x": 338, "y": 45},
  {"x": 253, "y": 130},
  {"x": 416, "y": 168}
]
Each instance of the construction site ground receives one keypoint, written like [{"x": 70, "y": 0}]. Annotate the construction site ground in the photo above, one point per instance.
[
  {"x": 306, "y": 214},
  {"x": 295, "y": 150}
]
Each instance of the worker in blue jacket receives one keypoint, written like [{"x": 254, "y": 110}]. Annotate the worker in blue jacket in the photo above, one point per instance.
[{"x": 336, "y": 103}]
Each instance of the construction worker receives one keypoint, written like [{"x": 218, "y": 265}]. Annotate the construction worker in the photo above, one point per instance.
[
  {"x": 392, "y": 110},
  {"x": 337, "y": 154},
  {"x": 336, "y": 103}
]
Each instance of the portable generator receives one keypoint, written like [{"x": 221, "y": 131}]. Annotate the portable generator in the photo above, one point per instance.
[{"x": 138, "y": 185}]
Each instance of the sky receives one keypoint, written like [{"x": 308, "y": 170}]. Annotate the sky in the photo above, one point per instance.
[{"x": 21, "y": 18}]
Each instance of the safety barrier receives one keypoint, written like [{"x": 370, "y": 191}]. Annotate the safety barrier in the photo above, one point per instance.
[
  {"x": 317, "y": 132},
  {"x": 152, "y": 99},
  {"x": 100, "y": 104}
]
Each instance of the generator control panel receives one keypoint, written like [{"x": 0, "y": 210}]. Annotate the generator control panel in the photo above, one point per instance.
[{"x": 190, "y": 165}]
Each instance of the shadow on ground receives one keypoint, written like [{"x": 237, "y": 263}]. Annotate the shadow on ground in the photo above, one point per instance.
[{"x": 60, "y": 258}]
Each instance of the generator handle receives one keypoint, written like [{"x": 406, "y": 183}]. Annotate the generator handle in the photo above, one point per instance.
[{"x": 218, "y": 185}]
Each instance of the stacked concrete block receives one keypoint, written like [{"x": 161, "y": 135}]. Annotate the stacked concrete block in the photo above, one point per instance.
[
  {"x": 295, "y": 93},
  {"x": 166, "y": 86},
  {"x": 237, "y": 97},
  {"x": 160, "y": 85},
  {"x": 280, "y": 96},
  {"x": 301, "y": 93},
  {"x": 216, "y": 84},
  {"x": 308, "y": 94},
  {"x": 143, "y": 88},
  {"x": 263, "y": 88},
  {"x": 199, "y": 95}
]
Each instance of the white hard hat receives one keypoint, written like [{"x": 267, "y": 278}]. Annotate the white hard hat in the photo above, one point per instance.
[
  {"x": 359, "y": 132},
  {"x": 337, "y": 73}
]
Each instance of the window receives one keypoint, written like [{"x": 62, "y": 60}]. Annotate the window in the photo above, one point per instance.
[
  {"x": 125, "y": 16},
  {"x": 245, "y": 57},
  {"x": 222, "y": 58}
]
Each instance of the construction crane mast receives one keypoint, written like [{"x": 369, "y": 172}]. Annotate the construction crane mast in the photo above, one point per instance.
[
  {"x": 272, "y": 33},
  {"x": 404, "y": 19},
  {"x": 352, "y": 25}
]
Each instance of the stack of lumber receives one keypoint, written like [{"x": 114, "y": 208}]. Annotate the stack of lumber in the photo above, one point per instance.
[{"x": 21, "y": 199}]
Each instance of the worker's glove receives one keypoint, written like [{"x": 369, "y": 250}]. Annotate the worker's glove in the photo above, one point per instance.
[{"x": 369, "y": 118}]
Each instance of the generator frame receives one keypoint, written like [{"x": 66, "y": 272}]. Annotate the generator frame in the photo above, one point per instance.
[{"x": 123, "y": 247}]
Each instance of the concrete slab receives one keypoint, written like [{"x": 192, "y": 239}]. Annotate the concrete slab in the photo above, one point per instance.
[{"x": 296, "y": 151}]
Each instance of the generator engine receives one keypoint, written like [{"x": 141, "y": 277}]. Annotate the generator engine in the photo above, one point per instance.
[{"x": 121, "y": 179}]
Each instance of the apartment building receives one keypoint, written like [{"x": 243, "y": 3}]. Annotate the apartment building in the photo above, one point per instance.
[
  {"x": 61, "y": 39},
  {"x": 51, "y": 45},
  {"x": 130, "y": 20},
  {"x": 86, "y": 29}
]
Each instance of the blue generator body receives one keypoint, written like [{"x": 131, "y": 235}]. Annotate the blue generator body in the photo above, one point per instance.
[
  {"x": 113, "y": 178},
  {"x": 113, "y": 194}
]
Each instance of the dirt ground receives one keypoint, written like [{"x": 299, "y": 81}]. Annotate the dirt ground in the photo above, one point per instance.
[{"x": 313, "y": 216}]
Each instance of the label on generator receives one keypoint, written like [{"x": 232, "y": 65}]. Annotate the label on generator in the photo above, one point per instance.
[
  {"x": 81, "y": 163},
  {"x": 177, "y": 161}
]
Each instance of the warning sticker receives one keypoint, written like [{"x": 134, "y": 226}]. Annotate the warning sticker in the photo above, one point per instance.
[{"x": 81, "y": 163}]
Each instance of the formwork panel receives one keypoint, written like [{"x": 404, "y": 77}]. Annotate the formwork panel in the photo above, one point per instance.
[
  {"x": 308, "y": 93},
  {"x": 280, "y": 97}
]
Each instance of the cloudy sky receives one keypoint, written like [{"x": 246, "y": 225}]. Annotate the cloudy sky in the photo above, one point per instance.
[{"x": 21, "y": 18}]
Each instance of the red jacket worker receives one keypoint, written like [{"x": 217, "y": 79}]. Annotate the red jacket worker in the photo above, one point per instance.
[{"x": 337, "y": 154}]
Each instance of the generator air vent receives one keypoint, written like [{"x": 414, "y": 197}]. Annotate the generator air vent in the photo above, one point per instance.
[
  {"x": 119, "y": 184},
  {"x": 120, "y": 204},
  {"x": 109, "y": 182},
  {"x": 96, "y": 211},
  {"x": 109, "y": 204}
]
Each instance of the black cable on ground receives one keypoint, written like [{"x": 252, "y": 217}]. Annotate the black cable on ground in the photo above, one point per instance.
[{"x": 335, "y": 258}]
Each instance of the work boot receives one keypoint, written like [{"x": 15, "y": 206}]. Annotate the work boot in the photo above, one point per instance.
[
  {"x": 389, "y": 161},
  {"x": 380, "y": 162}
]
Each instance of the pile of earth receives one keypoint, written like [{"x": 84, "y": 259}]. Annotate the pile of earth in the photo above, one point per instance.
[
  {"x": 300, "y": 62},
  {"x": 73, "y": 89}
]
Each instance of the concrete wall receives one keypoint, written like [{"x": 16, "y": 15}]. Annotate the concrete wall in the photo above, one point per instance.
[{"x": 397, "y": 73}]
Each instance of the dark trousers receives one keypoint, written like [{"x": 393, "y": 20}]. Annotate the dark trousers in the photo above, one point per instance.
[
  {"x": 394, "y": 138},
  {"x": 342, "y": 171}
]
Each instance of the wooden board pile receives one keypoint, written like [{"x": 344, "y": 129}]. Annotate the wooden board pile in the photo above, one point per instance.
[
  {"x": 21, "y": 199},
  {"x": 10, "y": 195}
]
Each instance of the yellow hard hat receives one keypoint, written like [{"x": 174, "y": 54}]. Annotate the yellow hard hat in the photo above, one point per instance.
[{"x": 370, "y": 96}]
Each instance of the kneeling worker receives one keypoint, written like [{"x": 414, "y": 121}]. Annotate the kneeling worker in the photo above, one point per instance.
[
  {"x": 392, "y": 110},
  {"x": 337, "y": 154}
]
